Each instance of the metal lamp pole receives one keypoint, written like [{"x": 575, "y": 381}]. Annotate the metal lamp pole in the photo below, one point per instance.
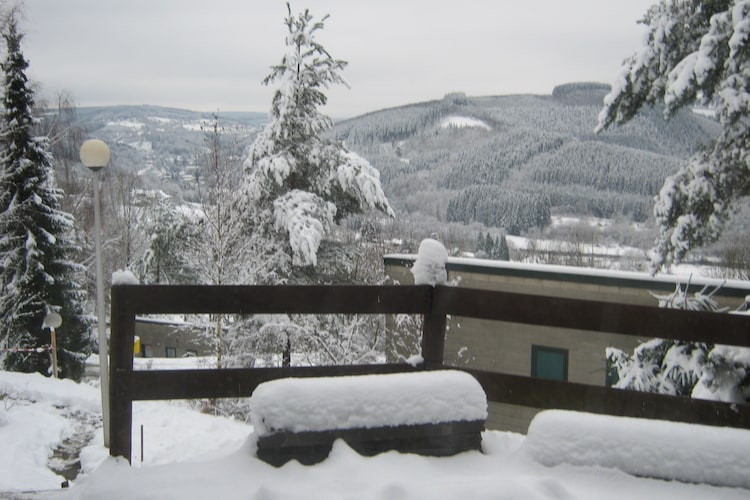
[{"x": 95, "y": 155}]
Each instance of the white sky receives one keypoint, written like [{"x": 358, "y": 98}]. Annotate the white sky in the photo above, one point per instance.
[{"x": 211, "y": 55}]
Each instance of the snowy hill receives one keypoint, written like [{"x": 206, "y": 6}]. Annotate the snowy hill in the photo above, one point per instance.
[
  {"x": 433, "y": 155},
  {"x": 509, "y": 162},
  {"x": 468, "y": 159}
]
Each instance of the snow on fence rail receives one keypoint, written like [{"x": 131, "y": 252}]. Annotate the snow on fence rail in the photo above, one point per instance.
[{"x": 434, "y": 304}]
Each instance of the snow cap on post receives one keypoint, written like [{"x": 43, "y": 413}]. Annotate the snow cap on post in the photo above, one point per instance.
[
  {"x": 429, "y": 268},
  {"x": 124, "y": 277}
]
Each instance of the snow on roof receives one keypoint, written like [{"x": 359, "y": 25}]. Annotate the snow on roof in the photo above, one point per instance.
[
  {"x": 582, "y": 271},
  {"x": 366, "y": 401},
  {"x": 646, "y": 448}
]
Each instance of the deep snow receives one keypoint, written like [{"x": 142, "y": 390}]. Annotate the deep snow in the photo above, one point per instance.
[
  {"x": 367, "y": 401},
  {"x": 190, "y": 455}
]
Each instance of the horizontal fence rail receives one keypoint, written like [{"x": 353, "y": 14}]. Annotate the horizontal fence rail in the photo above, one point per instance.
[
  {"x": 434, "y": 305},
  {"x": 595, "y": 316}
]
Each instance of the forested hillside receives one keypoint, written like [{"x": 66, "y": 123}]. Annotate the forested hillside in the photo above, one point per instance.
[
  {"x": 511, "y": 161},
  {"x": 504, "y": 161},
  {"x": 451, "y": 167}
]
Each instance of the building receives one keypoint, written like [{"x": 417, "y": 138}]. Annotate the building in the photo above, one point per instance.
[
  {"x": 539, "y": 351},
  {"x": 161, "y": 338}
]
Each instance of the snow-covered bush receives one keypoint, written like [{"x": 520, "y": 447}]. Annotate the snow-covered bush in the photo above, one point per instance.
[{"x": 682, "y": 368}]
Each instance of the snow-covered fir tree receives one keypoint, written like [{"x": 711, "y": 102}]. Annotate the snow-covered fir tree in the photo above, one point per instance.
[
  {"x": 170, "y": 234},
  {"x": 301, "y": 183},
  {"x": 298, "y": 186},
  {"x": 696, "y": 50},
  {"x": 492, "y": 248},
  {"x": 37, "y": 272},
  {"x": 683, "y": 368}
]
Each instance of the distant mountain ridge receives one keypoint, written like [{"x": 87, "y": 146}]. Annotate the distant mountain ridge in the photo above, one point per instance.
[
  {"x": 98, "y": 114},
  {"x": 494, "y": 159},
  {"x": 505, "y": 161}
]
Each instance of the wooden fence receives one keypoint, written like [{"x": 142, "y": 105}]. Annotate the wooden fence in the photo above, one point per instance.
[{"x": 434, "y": 304}]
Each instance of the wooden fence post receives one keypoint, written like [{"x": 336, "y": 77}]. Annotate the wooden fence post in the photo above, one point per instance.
[
  {"x": 433, "y": 332},
  {"x": 122, "y": 327}
]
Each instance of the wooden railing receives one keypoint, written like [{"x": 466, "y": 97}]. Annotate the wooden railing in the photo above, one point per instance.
[{"x": 434, "y": 304}]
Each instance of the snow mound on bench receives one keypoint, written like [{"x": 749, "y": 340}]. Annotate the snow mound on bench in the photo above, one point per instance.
[
  {"x": 366, "y": 401},
  {"x": 652, "y": 448}
]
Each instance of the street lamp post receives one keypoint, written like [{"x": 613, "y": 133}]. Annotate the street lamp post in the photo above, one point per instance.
[{"x": 95, "y": 156}]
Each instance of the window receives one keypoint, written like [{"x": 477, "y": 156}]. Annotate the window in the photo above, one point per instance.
[
  {"x": 549, "y": 363},
  {"x": 171, "y": 352}
]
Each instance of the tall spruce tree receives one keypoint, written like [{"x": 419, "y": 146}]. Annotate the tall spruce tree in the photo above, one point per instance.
[
  {"x": 297, "y": 187},
  {"x": 37, "y": 273},
  {"x": 300, "y": 183}
]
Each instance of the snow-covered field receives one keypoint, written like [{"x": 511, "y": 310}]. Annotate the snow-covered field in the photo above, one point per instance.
[
  {"x": 463, "y": 122},
  {"x": 187, "y": 454}
]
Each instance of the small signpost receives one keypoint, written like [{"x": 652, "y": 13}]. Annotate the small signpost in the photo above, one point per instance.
[{"x": 52, "y": 321}]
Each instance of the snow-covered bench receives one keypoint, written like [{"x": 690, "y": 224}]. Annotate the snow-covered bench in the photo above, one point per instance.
[
  {"x": 651, "y": 448},
  {"x": 435, "y": 413}
]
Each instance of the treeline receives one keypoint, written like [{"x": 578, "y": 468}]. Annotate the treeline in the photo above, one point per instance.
[
  {"x": 391, "y": 124},
  {"x": 603, "y": 167},
  {"x": 577, "y": 199},
  {"x": 491, "y": 162},
  {"x": 514, "y": 210}
]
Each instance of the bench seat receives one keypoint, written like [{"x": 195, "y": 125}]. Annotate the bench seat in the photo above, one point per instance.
[{"x": 437, "y": 413}]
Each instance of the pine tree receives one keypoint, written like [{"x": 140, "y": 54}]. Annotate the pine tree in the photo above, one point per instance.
[
  {"x": 298, "y": 186},
  {"x": 696, "y": 50},
  {"x": 165, "y": 259},
  {"x": 298, "y": 183},
  {"x": 36, "y": 271},
  {"x": 500, "y": 249},
  {"x": 481, "y": 246}
]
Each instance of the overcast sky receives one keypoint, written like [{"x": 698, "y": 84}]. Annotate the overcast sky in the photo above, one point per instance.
[{"x": 211, "y": 55}]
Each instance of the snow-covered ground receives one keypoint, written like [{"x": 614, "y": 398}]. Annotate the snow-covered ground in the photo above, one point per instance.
[{"x": 187, "y": 454}]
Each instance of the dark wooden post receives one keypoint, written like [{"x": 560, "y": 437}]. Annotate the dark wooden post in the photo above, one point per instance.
[
  {"x": 433, "y": 331},
  {"x": 122, "y": 328}
]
